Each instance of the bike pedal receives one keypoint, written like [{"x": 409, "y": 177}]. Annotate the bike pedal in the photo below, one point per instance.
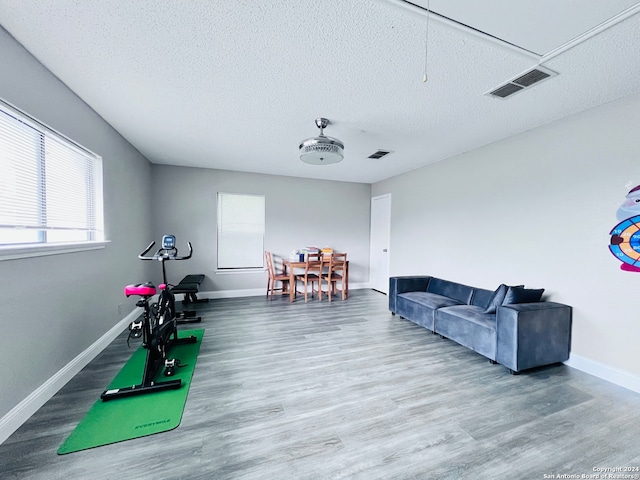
[
  {"x": 170, "y": 366},
  {"x": 136, "y": 329}
]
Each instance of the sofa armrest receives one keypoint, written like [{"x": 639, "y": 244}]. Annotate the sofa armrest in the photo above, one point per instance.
[
  {"x": 406, "y": 284},
  {"x": 533, "y": 334}
]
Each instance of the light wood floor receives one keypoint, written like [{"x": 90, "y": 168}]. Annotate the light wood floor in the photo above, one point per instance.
[{"x": 342, "y": 390}]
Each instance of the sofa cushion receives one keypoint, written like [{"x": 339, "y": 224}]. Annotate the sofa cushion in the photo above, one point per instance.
[
  {"x": 468, "y": 325},
  {"x": 497, "y": 298},
  {"x": 522, "y": 295},
  {"x": 480, "y": 297},
  {"x": 419, "y": 307},
  {"x": 457, "y": 291},
  {"x": 430, "y": 300}
]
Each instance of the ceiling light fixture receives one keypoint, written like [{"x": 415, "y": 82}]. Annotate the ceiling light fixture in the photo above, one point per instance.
[{"x": 321, "y": 150}]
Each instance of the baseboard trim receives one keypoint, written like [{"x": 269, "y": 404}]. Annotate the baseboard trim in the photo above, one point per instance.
[
  {"x": 611, "y": 374},
  {"x": 256, "y": 292},
  {"x": 30, "y": 405}
]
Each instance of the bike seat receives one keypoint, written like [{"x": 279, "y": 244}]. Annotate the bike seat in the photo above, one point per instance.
[{"x": 142, "y": 289}]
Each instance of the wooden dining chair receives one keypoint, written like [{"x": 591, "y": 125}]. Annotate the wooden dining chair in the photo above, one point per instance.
[
  {"x": 276, "y": 275},
  {"x": 333, "y": 270},
  {"x": 311, "y": 275}
]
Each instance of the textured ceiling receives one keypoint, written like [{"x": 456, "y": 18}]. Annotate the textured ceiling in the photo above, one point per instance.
[{"x": 237, "y": 85}]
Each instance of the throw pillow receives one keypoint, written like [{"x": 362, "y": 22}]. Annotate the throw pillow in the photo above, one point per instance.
[
  {"x": 522, "y": 295},
  {"x": 496, "y": 299}
]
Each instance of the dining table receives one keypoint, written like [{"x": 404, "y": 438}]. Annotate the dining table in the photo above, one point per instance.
[{"x": 291, "y": 265}]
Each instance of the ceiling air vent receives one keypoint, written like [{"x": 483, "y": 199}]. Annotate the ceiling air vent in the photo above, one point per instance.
[
  {"x": 522, "y": 82},
  {"x": 531, "y": 77},
  {"x": 506, "y": 90},
  {"x": 379, "y": 154}
]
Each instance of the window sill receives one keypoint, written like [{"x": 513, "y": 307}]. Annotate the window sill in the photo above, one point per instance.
[{"x": 29, "y": 251}]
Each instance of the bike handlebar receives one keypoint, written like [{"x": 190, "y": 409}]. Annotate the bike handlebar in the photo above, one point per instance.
[
  {"x": 187, "y": 256},
  {"x": 144, "y": 252},
  {"x": 163, "y": 254}
]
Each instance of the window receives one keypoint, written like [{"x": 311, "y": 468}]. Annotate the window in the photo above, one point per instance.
[
  {"x": 50, "y": 187},
  {"x": 240, "y": 231}
]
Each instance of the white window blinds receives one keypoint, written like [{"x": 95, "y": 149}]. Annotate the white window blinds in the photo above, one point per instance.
[
  {"x": 50, "y": 188},
  {"x": 240, "y": 231}
]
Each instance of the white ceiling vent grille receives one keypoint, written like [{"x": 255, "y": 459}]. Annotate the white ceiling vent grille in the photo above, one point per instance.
[
  {"x": 522, "y": 82},
  {"x": 379, "y": 154}
]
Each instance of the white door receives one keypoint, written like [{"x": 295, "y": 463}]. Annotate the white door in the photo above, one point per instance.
[{"x": 379, "y": 243}]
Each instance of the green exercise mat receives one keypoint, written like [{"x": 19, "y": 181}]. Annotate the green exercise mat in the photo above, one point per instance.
[{"x": 133, "y": 417}]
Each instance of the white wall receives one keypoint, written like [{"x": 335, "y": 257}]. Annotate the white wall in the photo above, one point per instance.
[
  {"x": 536, "y": 209},
  {"x": 53, "y": 308},
  {"x": 299, "y": 212}
]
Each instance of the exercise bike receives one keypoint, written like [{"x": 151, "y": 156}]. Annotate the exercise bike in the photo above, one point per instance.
[
  {"x": 166, "y": 253},
  {"x": 158, "y": 328}
]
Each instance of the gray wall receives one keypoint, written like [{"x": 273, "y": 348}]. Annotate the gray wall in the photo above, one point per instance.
[
  {"x": 536, "y": 209},
  {"x": 54, "y": 307},
  {"x": 299, "y": 212}
]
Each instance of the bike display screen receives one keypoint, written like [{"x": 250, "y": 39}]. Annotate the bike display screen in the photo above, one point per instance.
[{"x": 168, "y": 242}]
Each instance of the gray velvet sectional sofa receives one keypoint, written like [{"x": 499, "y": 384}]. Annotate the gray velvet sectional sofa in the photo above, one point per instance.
[{"x": 510, "y": 325}]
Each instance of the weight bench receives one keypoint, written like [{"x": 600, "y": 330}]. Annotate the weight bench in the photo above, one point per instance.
[{"x": 189, "y": 287}]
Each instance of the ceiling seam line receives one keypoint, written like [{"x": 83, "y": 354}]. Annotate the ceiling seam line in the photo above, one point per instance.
[
  {"x": 583, "y": 37},
  {"x": 464, "y": 26},
  {"x": 412, "y": 7}
]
